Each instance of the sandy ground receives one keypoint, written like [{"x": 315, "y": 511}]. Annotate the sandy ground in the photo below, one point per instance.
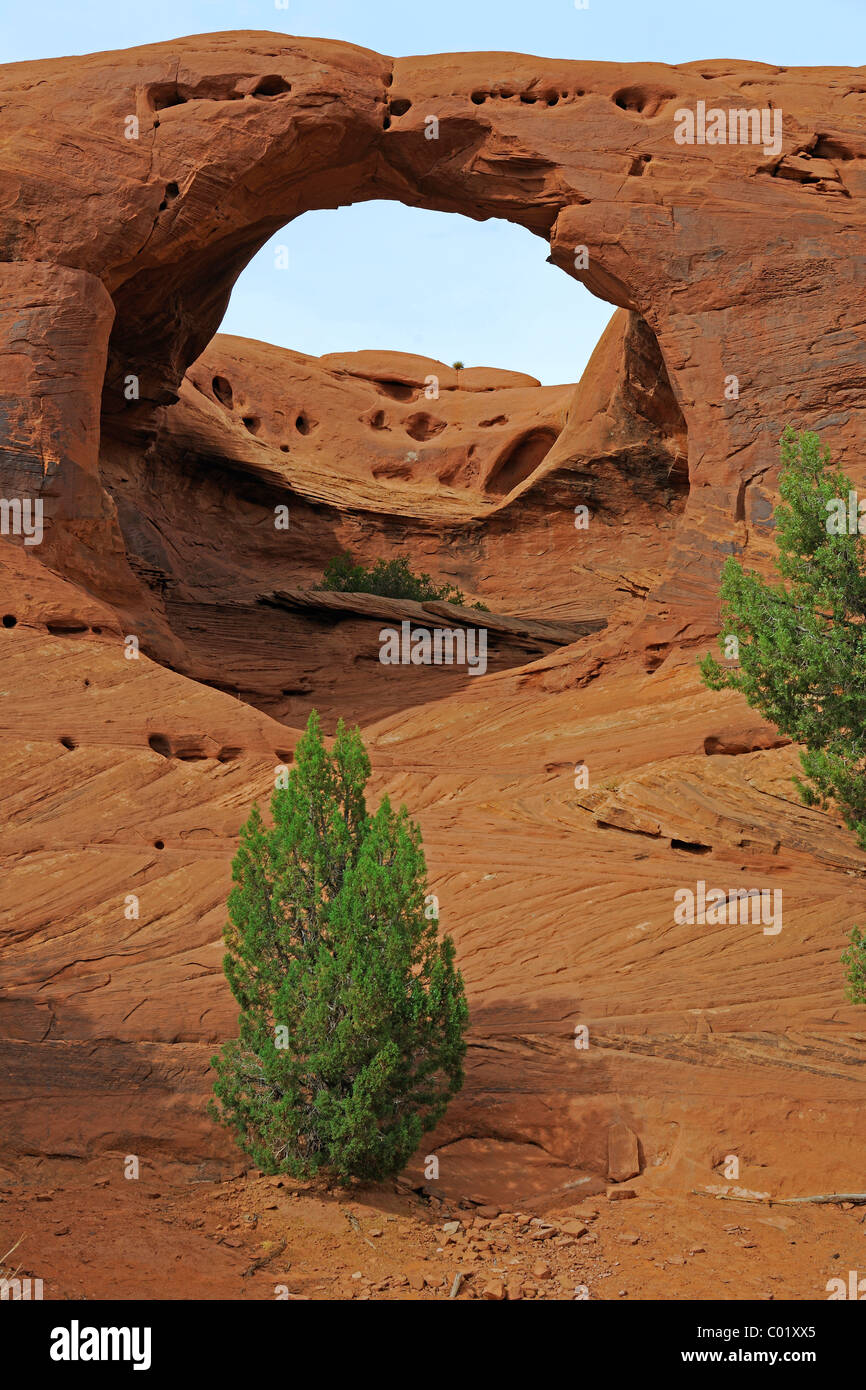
[{"x": 89, "y": 1233}]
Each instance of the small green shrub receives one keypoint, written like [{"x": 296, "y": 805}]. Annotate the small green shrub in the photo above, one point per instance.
[{"x": 388, "y": 579}]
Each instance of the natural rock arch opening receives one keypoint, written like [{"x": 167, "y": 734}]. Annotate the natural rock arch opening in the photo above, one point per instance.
[
  {"x": 367, "y": 144},
  {"x": 384, "y": 275},
  {"x": 616, "y": 442},
  {"x": 239, "y": 133}
]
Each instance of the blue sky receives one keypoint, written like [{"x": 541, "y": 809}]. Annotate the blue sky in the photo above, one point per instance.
[{"x": 379, "y": 275}]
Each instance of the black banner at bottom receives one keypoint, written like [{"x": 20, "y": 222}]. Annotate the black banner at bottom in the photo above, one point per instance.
[{"x": 63, "y": 1339}]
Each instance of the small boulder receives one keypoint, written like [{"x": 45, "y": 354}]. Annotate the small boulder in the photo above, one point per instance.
[
  {"x": 623, "y": 1161},
  {"x": 573, "y": 1228}
]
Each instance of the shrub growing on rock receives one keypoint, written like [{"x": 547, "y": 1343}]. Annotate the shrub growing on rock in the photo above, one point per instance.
[
  {"x": 352, "y": 1012},
  {"x": 388, "y": 579}
]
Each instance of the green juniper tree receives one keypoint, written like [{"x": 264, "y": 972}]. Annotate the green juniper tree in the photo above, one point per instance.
[
  {"x": 802, "y": 641},
  {"x": 352, "y": 1012}
]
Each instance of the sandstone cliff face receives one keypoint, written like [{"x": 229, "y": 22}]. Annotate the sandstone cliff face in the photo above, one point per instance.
[
  {"x": 480, "y": 486},
  {"x": 129, "y": 776}
]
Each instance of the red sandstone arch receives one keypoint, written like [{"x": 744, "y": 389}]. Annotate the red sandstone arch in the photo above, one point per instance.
[{"x": 735, "y": 259}]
